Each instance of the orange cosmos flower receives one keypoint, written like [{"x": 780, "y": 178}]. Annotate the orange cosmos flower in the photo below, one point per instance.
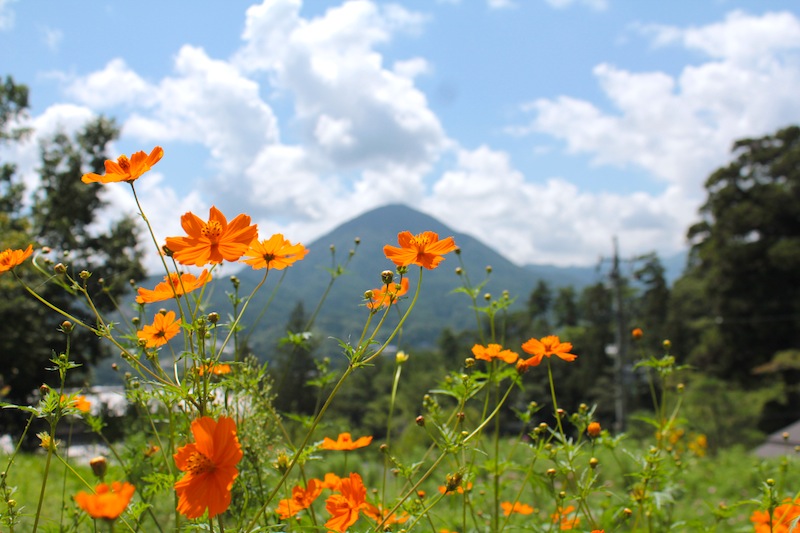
[
  {"x": 345, "y": 506},
  {"x": 163, "y": 328},
  {"x": 79, "y": 402},
  {"x": 210, "y": 466},
  {"x": 275, "y": 253},
  {"x": 215, "y": 369},
  {"x": 107, "y": 502},
  {"x": 459, "y": 489},
  {"x": 388, "y": 294},
  {"x": 213, "y": 241},
  {"x": 546, "y": 347},
  {"x": 331, "y": 481},
  {"x": 425, "y": 249},
  {"x": 301, "y": 499},
  {"x": 494, "y": 351},
  {"x": 173, "y": 285},
  {"x": 637, "y": 333},
  {"x": 124, "y": 169},
  {"x": 781, "y": 519},
  {"x": 383, "y": 516},
  {"x": 565, "y": 522},
  {"x": 516, "y": 507},
  {"x": 344, "y": 442},
  {"x": 12, "y": 258}
]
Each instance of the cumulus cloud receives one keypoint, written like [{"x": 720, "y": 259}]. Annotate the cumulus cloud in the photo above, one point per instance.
[
  {"x": 679, "y": 128},
  {"x": 551, "y": 222},
  {"x": 6, "y": 15},
  {"x": 597, "y": 5}
]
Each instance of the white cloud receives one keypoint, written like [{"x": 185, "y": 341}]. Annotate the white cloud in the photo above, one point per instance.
[
  {"x": 500, "y": 4},
  {"x": 52, "y": 38},
  {"x": 113, "y": 86},
  {"x": 552, "y": 222},
  {"x": 597, "y": 5},
  {"x": 680, "y": 128},
  {"x": 6, "y": 15}
]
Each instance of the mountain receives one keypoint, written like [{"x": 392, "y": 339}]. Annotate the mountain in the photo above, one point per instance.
[{"x": 343, "y": 314}]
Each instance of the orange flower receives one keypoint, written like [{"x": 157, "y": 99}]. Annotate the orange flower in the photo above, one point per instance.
[
  {"x": 344, "y": 442},
  {"x": 210, "y": 466},
  {"x": 781, "y": 518},
  {"x": 275, "y": 253},
  {"x": 516, "y": 507},
  {"x": 331, "y": 481},
  {"x": 388, "y": 294},
  {"x": 594, "y": 429},
  {"x": 126, "y": 170},
  {"x": 459, "y": 489},
  {"x": 79, "y": 402},
  {"x": 107, "y": 502},
  {"x": 494, "y": 351},
  {"x": 215, "y": 369},
  {"x": 345, "y": 506},
  {"x": 565, "y": 522},
  {"x": 637, "y": 333},
  {"x": 11, "y": 258},
  {"x": 425, "y": 249},
  {"x": 213, "y": 241},
  {"x": 301, "y": 499},
  {"x": 546, "y": 347},
  {"x": 163, "y": 328},
  {"x": 598, "y": 531},
  {"x": 172, "y": 286},
  {"x": 383, "y": 516}
]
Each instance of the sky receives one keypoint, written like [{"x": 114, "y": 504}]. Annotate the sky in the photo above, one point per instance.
[{"x": 545, "y": 128}]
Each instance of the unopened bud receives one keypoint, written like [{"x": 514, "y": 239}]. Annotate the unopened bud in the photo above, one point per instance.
[
  {"x": 368, "y": 295},
  {"x": 358, "y": 240},
  {"x": 488, "y": 269},
  {"x": 387, "y": 276},
  {"x": 593, "y": 462},
  {"x": 213, "y": 317},
  {"x": 99, "y": 466},
  {"x": 667, "y": 344},
  {"x": 401, "y": 357},
  {"x": 162, "y": 311},
  {"x": 85, "y": 274},
  {"x": 420, "y": 420},
  {"x": 60, "y": 268},
  {"x": 459, "y": 271},
  {"x": 487, "y": 296},
  {"x": 469, "y": 362},
  {"x": 551, "y": 473},
  {"x": 235, "y": 282},
  {"x": 67, "y": 327}
]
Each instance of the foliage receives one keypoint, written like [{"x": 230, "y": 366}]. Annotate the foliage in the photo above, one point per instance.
[{"x": 60, "y": 218}]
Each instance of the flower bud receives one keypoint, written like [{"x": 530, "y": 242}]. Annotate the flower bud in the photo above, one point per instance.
[
  {"x": 593, "y": 462},
  {"x": 401, "y": 357},
  {"x": 368, "y": 295},
  {"x": 235, "y": 282},
  {"x": 67, "y": 327},
  {"x": 469, "y": 362},
  {"x": 551, "y": 473},
  {"x": 487, "y": 296},
  {"x": 667, "y": 344},
  {"x": 166, "y": 251},
  {"x": 459, "y": 271},
  {"x": 637, "y": 333},
  {"x": 46, "y": 250},
  {"x": 213, "y": 318},
  {"x": 452, "y": 481},
  {"x": 85, "y": 274},
  {"x": 594, "y": 430},
  {"x": 488, "y": 269},
  {"x": 420, "y": 420},
  {"x": 99, "y": 466},
  {"x": 60, "y": 268},
  {"x": 357, "y": 240}
]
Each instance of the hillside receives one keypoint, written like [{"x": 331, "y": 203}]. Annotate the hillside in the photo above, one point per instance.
[{"x": 343, "y": 313}]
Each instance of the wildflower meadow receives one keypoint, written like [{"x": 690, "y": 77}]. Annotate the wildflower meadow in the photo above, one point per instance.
[{"x": 207, "y": 450}]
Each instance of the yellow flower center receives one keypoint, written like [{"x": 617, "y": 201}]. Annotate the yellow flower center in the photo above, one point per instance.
[
  {"x": 212, "y": 230},
  {"x": 421, "y": 241},
  {"x": 199, "y": 464},
  {"x": 124, "y": 164}
]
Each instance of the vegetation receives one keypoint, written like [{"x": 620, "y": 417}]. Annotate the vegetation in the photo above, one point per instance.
[{"x": 568, "y": 411}]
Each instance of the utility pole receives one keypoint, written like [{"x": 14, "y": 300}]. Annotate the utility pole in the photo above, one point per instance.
[{"x": 621, "y": 358}]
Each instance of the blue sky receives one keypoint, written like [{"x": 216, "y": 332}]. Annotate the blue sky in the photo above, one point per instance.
[{"x": 543, "y": 127}]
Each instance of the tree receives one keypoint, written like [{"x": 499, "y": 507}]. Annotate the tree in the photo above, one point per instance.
[
  {"x": 746, "y": 256},
  {"x": 294, "y": 366},
  {"x": 63, "y": 217},
  {"x": 565, "y": 308}
]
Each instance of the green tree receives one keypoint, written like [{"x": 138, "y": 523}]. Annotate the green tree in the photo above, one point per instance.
[
  {"x": 565, "y": 307},
  {"x": 294, "y": 366},
  {"x": 63, "y": 216},
  {"x": 746, "y": 257}
]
